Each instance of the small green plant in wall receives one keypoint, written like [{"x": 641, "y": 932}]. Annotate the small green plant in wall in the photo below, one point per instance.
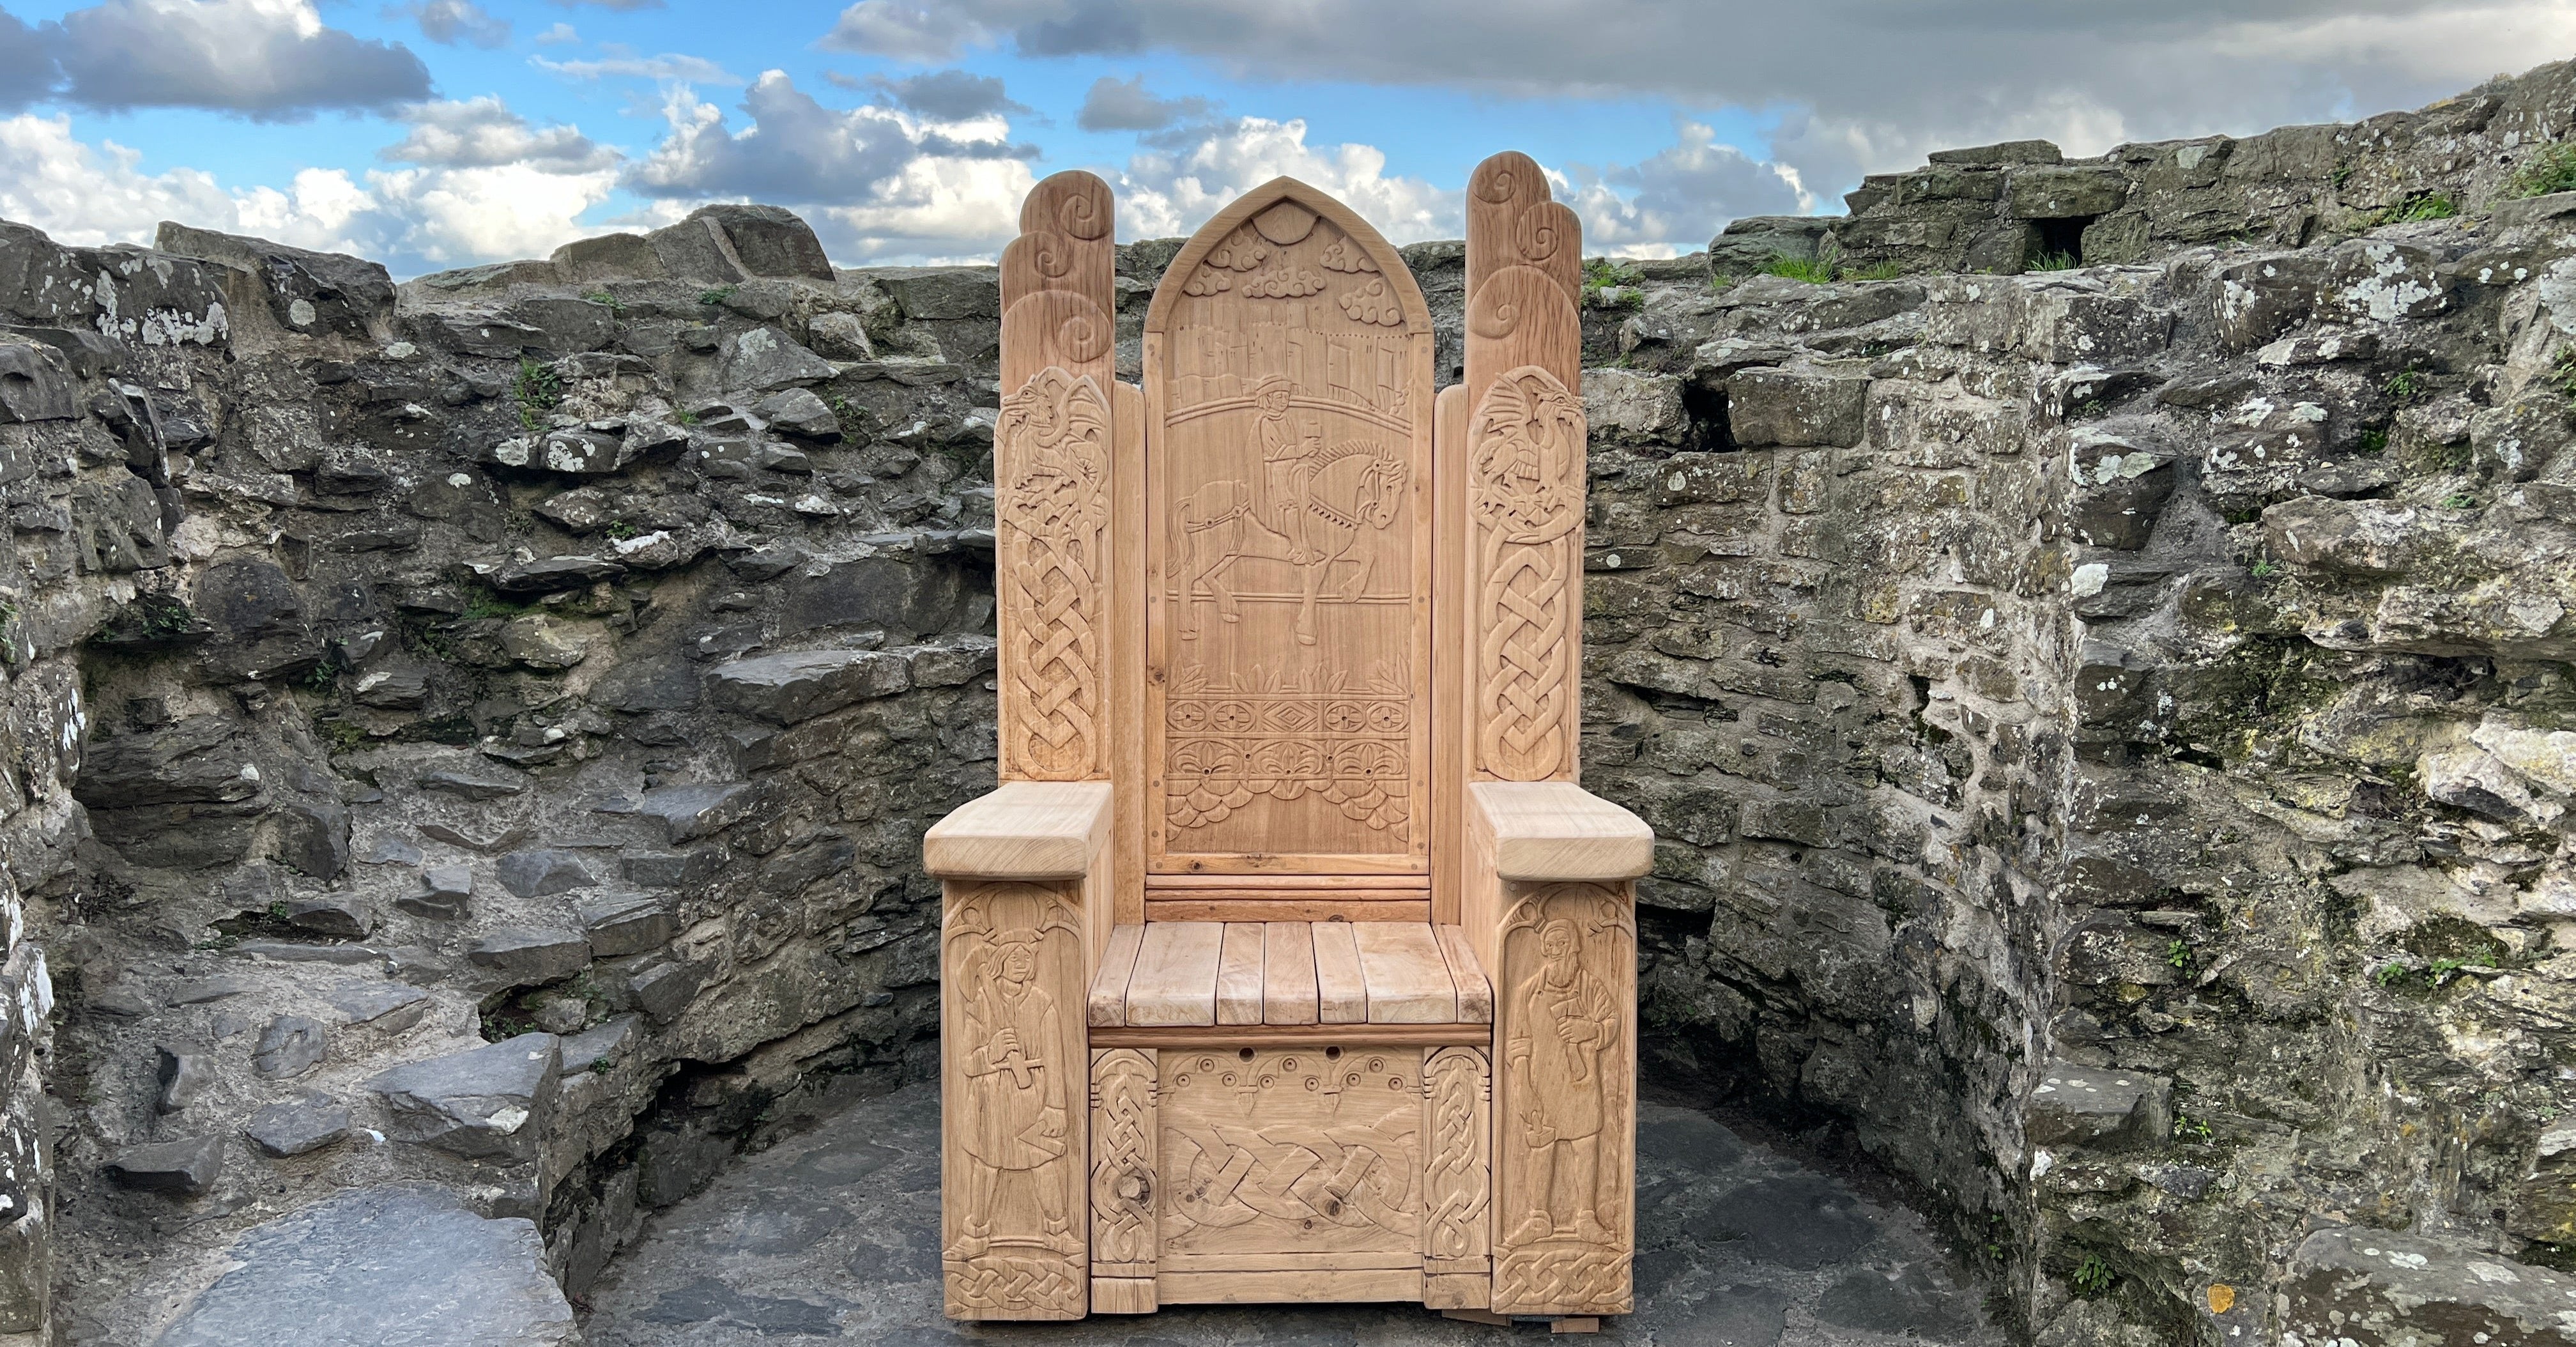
[
  {"x": 540, "y": 391},
  {"x": 2092, "y": 1277}
]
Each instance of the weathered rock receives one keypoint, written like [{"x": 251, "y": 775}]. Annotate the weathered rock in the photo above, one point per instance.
[
  {"x": 376, "y": 1265},
  {"x": 549, "y": 574},
  {"x": 801, "y": 685},
  {"x": 1795, "y": 407},
  {"x": 694, "y": 811},
  {"x": 445, "y": 892},
  {"x": 2099, "y": 1108},
  {"x": 524, "y": 955},
  {"x": 764, "y": 358},
  {"x": 540, "y": 871},
  {"x": 932, "y": 293},
  {"x": 187, "y": 1167},
  {"x": 293, "y": 1127},
  {"x": 183, "y": 1076},
  {"x": 628, "y": 925},
  {"x": 382, "y": 1007},
  {"x": 307, "y": 292},
  {"x": 289, "y": 1046},
  {"x": 489, "y": 1102},
  {"x": 2385, "y": 1286},
  {"x": 475, "y": 783},
  {"x": 798, "y": 411},
  {"x": 1633, "y": 407}
]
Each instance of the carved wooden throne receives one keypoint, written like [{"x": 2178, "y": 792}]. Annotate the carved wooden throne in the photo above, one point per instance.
[{"x": 1289, "y": 963}]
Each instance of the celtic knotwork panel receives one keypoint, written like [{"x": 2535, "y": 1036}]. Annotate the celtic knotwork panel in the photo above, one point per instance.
[
  {"x": 1302, "y": 1150},
  {"x": 1526, "y": 500},
  {"x": 1123, "y": 1126},
  {"x": 1013, "y": 1095},
  {"x": 1565, "y": 1100},
  {"x": 1052, "y": 521},
  {"x": 1457, "y": 1179},
  {"x": 1339, "y": 737}
]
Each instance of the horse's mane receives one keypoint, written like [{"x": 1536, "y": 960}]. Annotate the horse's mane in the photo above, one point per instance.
[{"x": 1334, "y": 453}]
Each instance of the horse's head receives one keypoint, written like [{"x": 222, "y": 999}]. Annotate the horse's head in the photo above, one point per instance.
[{"x": 1381, "y": 489}]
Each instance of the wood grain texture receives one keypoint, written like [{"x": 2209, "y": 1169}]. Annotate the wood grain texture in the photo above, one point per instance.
[
  {"x": 1053, "y": 451},
  {"x": 1449, "y": 669},
  {"x": 1107, "y": 1003},
  {"x": 1408, "y": 979},
  {"x": 1565, "y": 1100},
  {"x": 1288, "y": 1288},
  {"x": 1123, "y": 1295},
  {"x": 1349, "y": 1036},
  {"x": 1125, "y": 1127},
  {"x": 1167, "y": 885},
  {"x": 1548, "y": 831},
  {"x": 1024, "y": 830},
  {"x": 1288, "y": 974},
  {"x": 1239, "y": 974},
  {"x": 1127, "y": 648},
  {"x": 1276, "y": 1154},
  {"x": 1341, "y": 991},
  {"x": 1014, "y": 1218},
  {"x": 1475, "y": 993},
  {"x": 1175, "y": 978},
  {"x": 1267, "y": 908},
  {"x": 1457, "y": 1122},
  {"x": 1288, "y": 391}
]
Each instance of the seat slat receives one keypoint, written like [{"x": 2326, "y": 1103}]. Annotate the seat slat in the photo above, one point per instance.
[
  {"x": 1408, "y": 980},
  {"x": 1108, "y": 999},
  {"x": 1341, "y": 992},
  {"x": 1475, "y": 993},
  {"x": 1238, "y": 975},
  {"x": 1288, "y": 974},
  {"x": 1175, "y": 979}
]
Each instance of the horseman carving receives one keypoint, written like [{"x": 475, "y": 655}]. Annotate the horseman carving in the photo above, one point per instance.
[{"x": 1308, "y": 510}]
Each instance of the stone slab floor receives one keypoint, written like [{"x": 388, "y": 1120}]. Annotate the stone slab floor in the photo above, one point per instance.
[{"x": 833, "y": 1236}]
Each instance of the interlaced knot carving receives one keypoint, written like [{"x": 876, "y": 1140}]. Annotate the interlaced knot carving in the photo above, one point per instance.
[
  {"x": 1527, "y": 498},
  {"x": 1054, "y": 516}
]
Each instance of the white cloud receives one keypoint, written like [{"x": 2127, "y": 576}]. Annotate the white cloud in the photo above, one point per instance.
[
  {"x": 1864, "y": 85},
  {"x": 267, "y": 59},
  {"x": 454, "y": 21},
  {"x": 1127, "y": 105},
  {"x": 1162, "y": 194},
  {"x": 484, "y": 133},
  {"x": 1672, "y": 202},
  {"x": 559, "y": 35},
  {"x": 412, "y": 219},
  {"x": 667, "y": 66}
]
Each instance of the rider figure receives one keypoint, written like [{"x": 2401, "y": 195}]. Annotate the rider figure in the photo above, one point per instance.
[{"x": 1286, "y": 467}]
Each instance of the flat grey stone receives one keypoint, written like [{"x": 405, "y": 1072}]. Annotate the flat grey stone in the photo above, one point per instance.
[
  {"x": 183, "y": 1075},
  {"x": 539, "y": 871},
  {"x": 528, "y": 955},
  {"x": 2094, "y": 1106},
  {"x": 693, "y": 811},
  {"x": 198, "y": 991},
  {"x": 489, "y": 1101},
  {"x": 386, "y": 1007},
  {"x": 803, "y": 684},
  {"x": 289, "y": 1046},
  {"x": 288, "y": 951},
  {"x": 294, "y": 1126},
  {"x": 633, "y": 924},
  {"x": 186, "y": 1167},
  {"x": 2354, "y": 1285},
  {"x": 484, "y": 783},
  {"x": 392, "y": 849},
  {"x": 382, "y": 1268}
]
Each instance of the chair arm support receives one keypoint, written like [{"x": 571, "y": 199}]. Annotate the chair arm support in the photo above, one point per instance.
[
  {"x": 1024, "y": 830},
  {"x": 1555, "y": 832}
]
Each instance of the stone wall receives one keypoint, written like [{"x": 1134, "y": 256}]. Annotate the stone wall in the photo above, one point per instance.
[{"x": 2110, "y": 728}]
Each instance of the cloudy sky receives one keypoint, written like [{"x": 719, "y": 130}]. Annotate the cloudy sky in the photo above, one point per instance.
[{"x": 442, "y": 133}]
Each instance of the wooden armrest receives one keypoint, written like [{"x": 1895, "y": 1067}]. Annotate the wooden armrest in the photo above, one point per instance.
[
  {"x": 1556, "y": 831},
  {"x": 1025, "y": 830}
]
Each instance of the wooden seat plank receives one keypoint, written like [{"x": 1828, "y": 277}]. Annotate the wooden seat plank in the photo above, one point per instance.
[
  {"x": 1108, "y": 999},
  {"x": 1175, "y": 978},
  {"x": 1408, "y": 979},
  {"x": 1475, "y": 993},
  {"x": 1239, "y": 974},
  {"x": 1341, "y": 993},
  {"x": 1288, "y": 974}
]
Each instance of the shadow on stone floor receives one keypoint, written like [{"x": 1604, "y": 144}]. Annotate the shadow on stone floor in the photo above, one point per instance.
[{"x": 833, "y": 1236}]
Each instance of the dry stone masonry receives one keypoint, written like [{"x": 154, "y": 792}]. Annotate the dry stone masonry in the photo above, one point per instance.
[{"x": 2096, "y": 642}]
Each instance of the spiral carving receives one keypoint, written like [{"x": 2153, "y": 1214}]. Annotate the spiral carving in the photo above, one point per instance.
[
  {"x": 1508, "y": 176},
  {"x": 1073, "y": 202},
  {"x": 1068, "y": 324}
]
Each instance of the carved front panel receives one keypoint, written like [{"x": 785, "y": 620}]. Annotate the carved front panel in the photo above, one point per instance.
[
  {"x": 1565, "y": 1101},
  {"x": 1290, "y": 546},
  {"x": 1123, "y": 1128},
  {"x": 1014, "y": 1090},
  {"x": 1301, "y": 1151}
]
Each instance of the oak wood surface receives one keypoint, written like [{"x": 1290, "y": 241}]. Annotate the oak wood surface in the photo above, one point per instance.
[
  {"x": 1475, "y": 993},
  {"x": 1239, "y": 974},
  {"x": 1023, "y": 830},
  {"x": 1288, "y": 974},
  {"x": 1556, "y": 831},
  {"x": 1288, "y": 1288},
  {"x": 1342, "y": 992},
  {"x": 1107, "y": 1002},
  {"x": 1350, "y": 1036},
  {"x": 1267, "y": 908},
  {"x": 1175, "y": 979},
  {"x": 1408, "y": 979}
]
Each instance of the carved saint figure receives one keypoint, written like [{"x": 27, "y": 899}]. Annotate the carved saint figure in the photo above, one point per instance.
[
  {"x": 1564, "y": 1021},
  {"x": 1013, "y": 1119}
]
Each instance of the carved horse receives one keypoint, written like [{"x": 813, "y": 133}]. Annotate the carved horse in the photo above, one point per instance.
[{"x": 1352, "y": 486}]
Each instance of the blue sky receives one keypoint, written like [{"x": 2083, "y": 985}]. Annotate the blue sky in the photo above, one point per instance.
[{"x": 439, "y": 133}]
